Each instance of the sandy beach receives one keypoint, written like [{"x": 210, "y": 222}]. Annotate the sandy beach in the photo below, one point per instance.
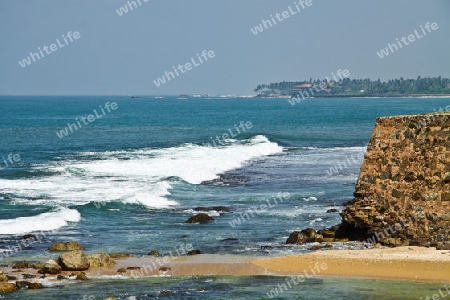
[{"x": 402, "y": 263}]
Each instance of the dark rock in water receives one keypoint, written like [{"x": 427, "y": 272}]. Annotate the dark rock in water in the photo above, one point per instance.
[
  {"x": 122, "y": 270},
  {"x": 230, "y": 240},
  {"x": 29, "y": 237},
  {"x": 154, "y": 253},
  {"x": 74, "y": 261},
  {"x": 133, "y": 268},
  {"x": 81, "y": 277},
  {"x": 200, "y": 218},
  {"x": 22, "y": 284},
  {"x": 60, "y": 277},
  {"x": 229, "y": 179},
  {"x": 35, "y": 286},
  {"x": 318, "y": 247},
  {"x": 297, "y": 237},
  {"x": 194, "y": 252},
  {"x": 29, "y": 285},
  {"x": 28, "y": 276},
  {"x": 21, "y": 265},
  {"x": 333, "y": 210},
  {"x": 213, "y": 208},
  {"x": 164, "y": 269},
  {"x": 11, "y": 277}
]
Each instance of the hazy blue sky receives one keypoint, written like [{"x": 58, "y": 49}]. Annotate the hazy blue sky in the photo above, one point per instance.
[{"x": 124, "y": 54}]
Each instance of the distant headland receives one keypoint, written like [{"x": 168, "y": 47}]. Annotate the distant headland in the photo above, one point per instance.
[{"x": 346, "y": 87}]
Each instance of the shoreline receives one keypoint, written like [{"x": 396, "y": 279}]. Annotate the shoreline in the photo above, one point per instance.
[
  {"x": 418, "y": 264},
  {"x": 401, "y": 263}
]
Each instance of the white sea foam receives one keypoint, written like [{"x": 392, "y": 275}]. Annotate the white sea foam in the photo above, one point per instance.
[
  {"x": 309, "y": 199},
  {"x": 192, "y": 163},
  {"x": 43, "y": 222},
  {"x": 142, "y": 176}
]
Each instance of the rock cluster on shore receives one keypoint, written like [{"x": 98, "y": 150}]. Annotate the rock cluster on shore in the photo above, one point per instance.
[
  {"x": 70, "y": 260},
  {"x": 310, "y": 235}
]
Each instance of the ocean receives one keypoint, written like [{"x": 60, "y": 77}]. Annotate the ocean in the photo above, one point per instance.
[{"x": 127, "y": 179}]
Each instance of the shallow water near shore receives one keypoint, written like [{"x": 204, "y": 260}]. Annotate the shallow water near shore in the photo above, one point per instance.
[
  {"x": 128, "y": 181},
  {"x": 255, "y": 287}
]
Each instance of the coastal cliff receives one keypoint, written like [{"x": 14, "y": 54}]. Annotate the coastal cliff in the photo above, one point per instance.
[{"x": 402, "y": 196}]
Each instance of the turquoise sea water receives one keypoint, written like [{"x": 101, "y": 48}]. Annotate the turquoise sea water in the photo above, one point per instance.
[{"x": 128, "y": 181}]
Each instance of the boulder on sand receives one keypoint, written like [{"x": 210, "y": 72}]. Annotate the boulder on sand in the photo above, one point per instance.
[
  {"x": 50, "y": 267},
  {"x": 74, "y": 261},
  {"x": 21, "y": 265},
  {"x": 100, "y": 259},
  {"x": 300, "y": 237}
]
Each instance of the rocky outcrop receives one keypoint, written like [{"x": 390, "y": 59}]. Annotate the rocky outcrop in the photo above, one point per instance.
[
  {"x": 70, "y": 246},
  {"x": 50, "y": 267},
  {"x": 200, "y": 218},
  {"x": 74, "y": 261},
  {"x": 21, "y": 265},
  {"x": 99, "y": 260},
  {"x": 154, "y": 253},
  {"x": 402, "y": 195},
  {"x": 29, "y": 285},
  {"x": 309, "y": 235},
  {"x": 3, "y": 277},
  {"x": 7, "y": 287}
]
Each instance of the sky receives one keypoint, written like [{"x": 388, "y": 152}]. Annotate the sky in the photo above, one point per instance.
[{"x": 124, "y": 55}]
